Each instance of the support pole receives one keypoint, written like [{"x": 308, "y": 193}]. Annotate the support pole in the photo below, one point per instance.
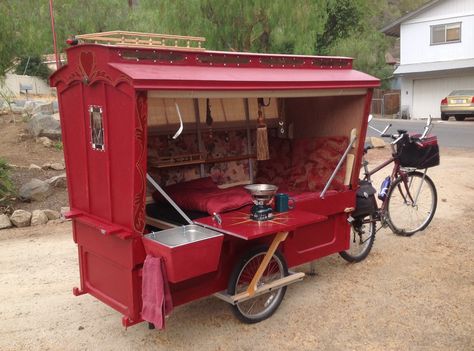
[{"x": 51, "y": 13}]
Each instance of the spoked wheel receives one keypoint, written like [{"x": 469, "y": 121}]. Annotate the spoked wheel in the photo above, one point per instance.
[
  {"x": 408, "y": 214},
  {"x": 362, "y": 239},
  {"x": 262, "y": 306}
]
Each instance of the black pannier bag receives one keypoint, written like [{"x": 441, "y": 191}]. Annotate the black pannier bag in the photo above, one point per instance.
[
  {"x": 421, "y": 154},
  {"x": 365, "y": 200}
]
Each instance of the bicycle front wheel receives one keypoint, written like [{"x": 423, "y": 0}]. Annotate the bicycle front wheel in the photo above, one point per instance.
[{"x": 411, "y": 203}]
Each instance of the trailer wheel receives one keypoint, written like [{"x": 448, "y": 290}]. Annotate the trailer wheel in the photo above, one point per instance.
[{"x": 262, "y": 306}]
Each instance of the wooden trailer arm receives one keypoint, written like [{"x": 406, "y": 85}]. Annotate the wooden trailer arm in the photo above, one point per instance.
[
  {"x": 281, "y": 236},
  {"x": 252, "y": 289}
]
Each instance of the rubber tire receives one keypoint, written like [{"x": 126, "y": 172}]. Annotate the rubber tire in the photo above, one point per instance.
[
  {"x": 402, "y": 232},
  {"x": 235, "y": 275},
  {"x": 362, "y": 256},
  {"x": 460, "y": 118},
  {"x": 444, "y": 116}
]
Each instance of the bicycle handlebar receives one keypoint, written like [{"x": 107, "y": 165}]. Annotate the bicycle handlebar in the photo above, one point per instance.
[{"x": 401, "y": 133}]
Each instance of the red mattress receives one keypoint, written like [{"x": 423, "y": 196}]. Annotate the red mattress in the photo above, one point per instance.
[{"x": 204, "y": 195}]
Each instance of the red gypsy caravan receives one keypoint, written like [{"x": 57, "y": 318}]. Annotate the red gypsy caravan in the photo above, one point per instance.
[{"x": 194, "y": 173}]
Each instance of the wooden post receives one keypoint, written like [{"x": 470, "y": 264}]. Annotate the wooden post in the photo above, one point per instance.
[
  {"x": 198, "y": 129},
  {"x": 249, "y": 143}
]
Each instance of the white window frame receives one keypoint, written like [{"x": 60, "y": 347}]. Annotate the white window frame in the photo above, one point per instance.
[{"x": 446, "y": 27}]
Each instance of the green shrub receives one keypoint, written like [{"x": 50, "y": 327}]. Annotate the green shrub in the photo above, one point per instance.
[
  {"x": 33, "y": 66},
  {"x": 58, "y": 145},
  {"x": 6, "y": 185}
]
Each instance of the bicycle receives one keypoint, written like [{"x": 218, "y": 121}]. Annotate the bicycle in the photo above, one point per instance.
[{"x": 409, "y": 197}]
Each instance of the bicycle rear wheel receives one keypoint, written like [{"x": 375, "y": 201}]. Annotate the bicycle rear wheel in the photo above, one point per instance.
[
  {"x": 362, "y": 240},
  {"x": 408, "y": 214}
]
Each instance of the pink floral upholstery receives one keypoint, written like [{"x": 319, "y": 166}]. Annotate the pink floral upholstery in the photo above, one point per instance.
[
  {"x": 276, "y": 170},
  {"x": 304, "y": 165},
  {"x": 314, "y": 160}
]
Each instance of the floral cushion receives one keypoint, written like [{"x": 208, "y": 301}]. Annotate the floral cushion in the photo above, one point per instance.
[
  {"x": 276, "y": 170},
  {"x": 203, "y": 195},
  {"x": 314, "y": 160}
]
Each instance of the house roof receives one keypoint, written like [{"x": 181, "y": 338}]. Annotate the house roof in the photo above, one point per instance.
[
  {"x": 393, "y": 29},
  {"x": 434, "y": 66}
]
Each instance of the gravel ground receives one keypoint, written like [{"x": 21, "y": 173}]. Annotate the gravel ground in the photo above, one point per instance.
[{"x": 412, "y": 293}]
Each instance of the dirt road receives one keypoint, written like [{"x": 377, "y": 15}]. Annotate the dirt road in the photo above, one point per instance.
[{"x": 410, "y": 294}]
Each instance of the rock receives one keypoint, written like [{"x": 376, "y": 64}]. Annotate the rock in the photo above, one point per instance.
[
  {"x": 18, "y": 110},
  {"x": 35, "y": 190},
  {"x": 55, "y": 106},
  {"x": 20, "y": 102},
  {"x": 377, "y": 142},
  {"x": 33, "y": 166},
  {"x": 30, "y": 106},
  {"x": 47, "y": 142},
  {"x": 23, "y": 137},
  {"x": 5, "y": 222},
  {"x": 52, "y": 215},
  {"x": 38, "y": 217},
  {"x": 44, "y": 108},
  {"x": 59, "y": 181},
  {"x": 55, "y": 221},
  {"x": 44, "y": 125},
  {"x": 21, "y": 218},
  {"x": 64, "y": 210},
  {"x": 55, "y": 166},
  {"x": 56, "y": 116}
]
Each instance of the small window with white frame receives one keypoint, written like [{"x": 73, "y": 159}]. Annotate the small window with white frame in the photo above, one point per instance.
[
  {"x": 446, "y": 33},
  {"x": 97, "y": 128}
]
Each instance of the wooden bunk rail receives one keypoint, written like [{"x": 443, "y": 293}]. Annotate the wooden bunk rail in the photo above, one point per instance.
[
  {"x": 230, "y": 158},
  {"x": 138, "y": 39},
  {"x": 192, "y": 159}
]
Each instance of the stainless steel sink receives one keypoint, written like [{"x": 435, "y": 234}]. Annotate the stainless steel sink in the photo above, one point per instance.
[{"x": 178, "y": 236}]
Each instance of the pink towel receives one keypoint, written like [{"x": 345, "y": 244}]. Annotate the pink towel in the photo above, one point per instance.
[{"x": 156, "y": 293}]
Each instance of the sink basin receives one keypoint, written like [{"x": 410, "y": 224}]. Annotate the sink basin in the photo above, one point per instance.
[
  {"x": 182, "y": 235},
  {"x": 189, "y": 251}
]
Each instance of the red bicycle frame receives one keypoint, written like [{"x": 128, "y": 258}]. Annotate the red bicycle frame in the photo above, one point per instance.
[{"x": 395, "y": 172}]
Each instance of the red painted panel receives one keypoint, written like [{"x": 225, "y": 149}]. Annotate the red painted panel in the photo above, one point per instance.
[
  {"x": 127, "y": 253},
  {"x": 75, "y": 146},
  {"x": 121, "y": 137},
  {"x": 110, "y": 267},
  {"x": 334, "y": 202},
  {"x": 311, "y": 242},
  {"x": 97, "y": 159}
]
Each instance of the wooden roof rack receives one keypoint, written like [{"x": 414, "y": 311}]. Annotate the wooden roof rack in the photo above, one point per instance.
[{"x": 144, "y": 40}]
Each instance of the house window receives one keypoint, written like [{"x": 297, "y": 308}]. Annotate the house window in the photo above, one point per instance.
[
  {"x": 97, "y": 128},
  {"x": 446, "y": 33}
]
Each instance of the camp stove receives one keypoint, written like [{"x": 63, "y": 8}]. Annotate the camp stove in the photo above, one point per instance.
[{"x": 262, "y": 195}]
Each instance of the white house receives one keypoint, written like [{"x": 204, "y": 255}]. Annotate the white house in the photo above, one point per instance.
[{"x": 436, "y": 54}]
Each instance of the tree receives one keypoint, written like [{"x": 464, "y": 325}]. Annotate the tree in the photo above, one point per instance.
[
  {"x": 33, "y": 66},
  {"x": 348, "y": 27},
  {"x": 8, "y": 38},
  {"x": 344, "y": 18}
]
